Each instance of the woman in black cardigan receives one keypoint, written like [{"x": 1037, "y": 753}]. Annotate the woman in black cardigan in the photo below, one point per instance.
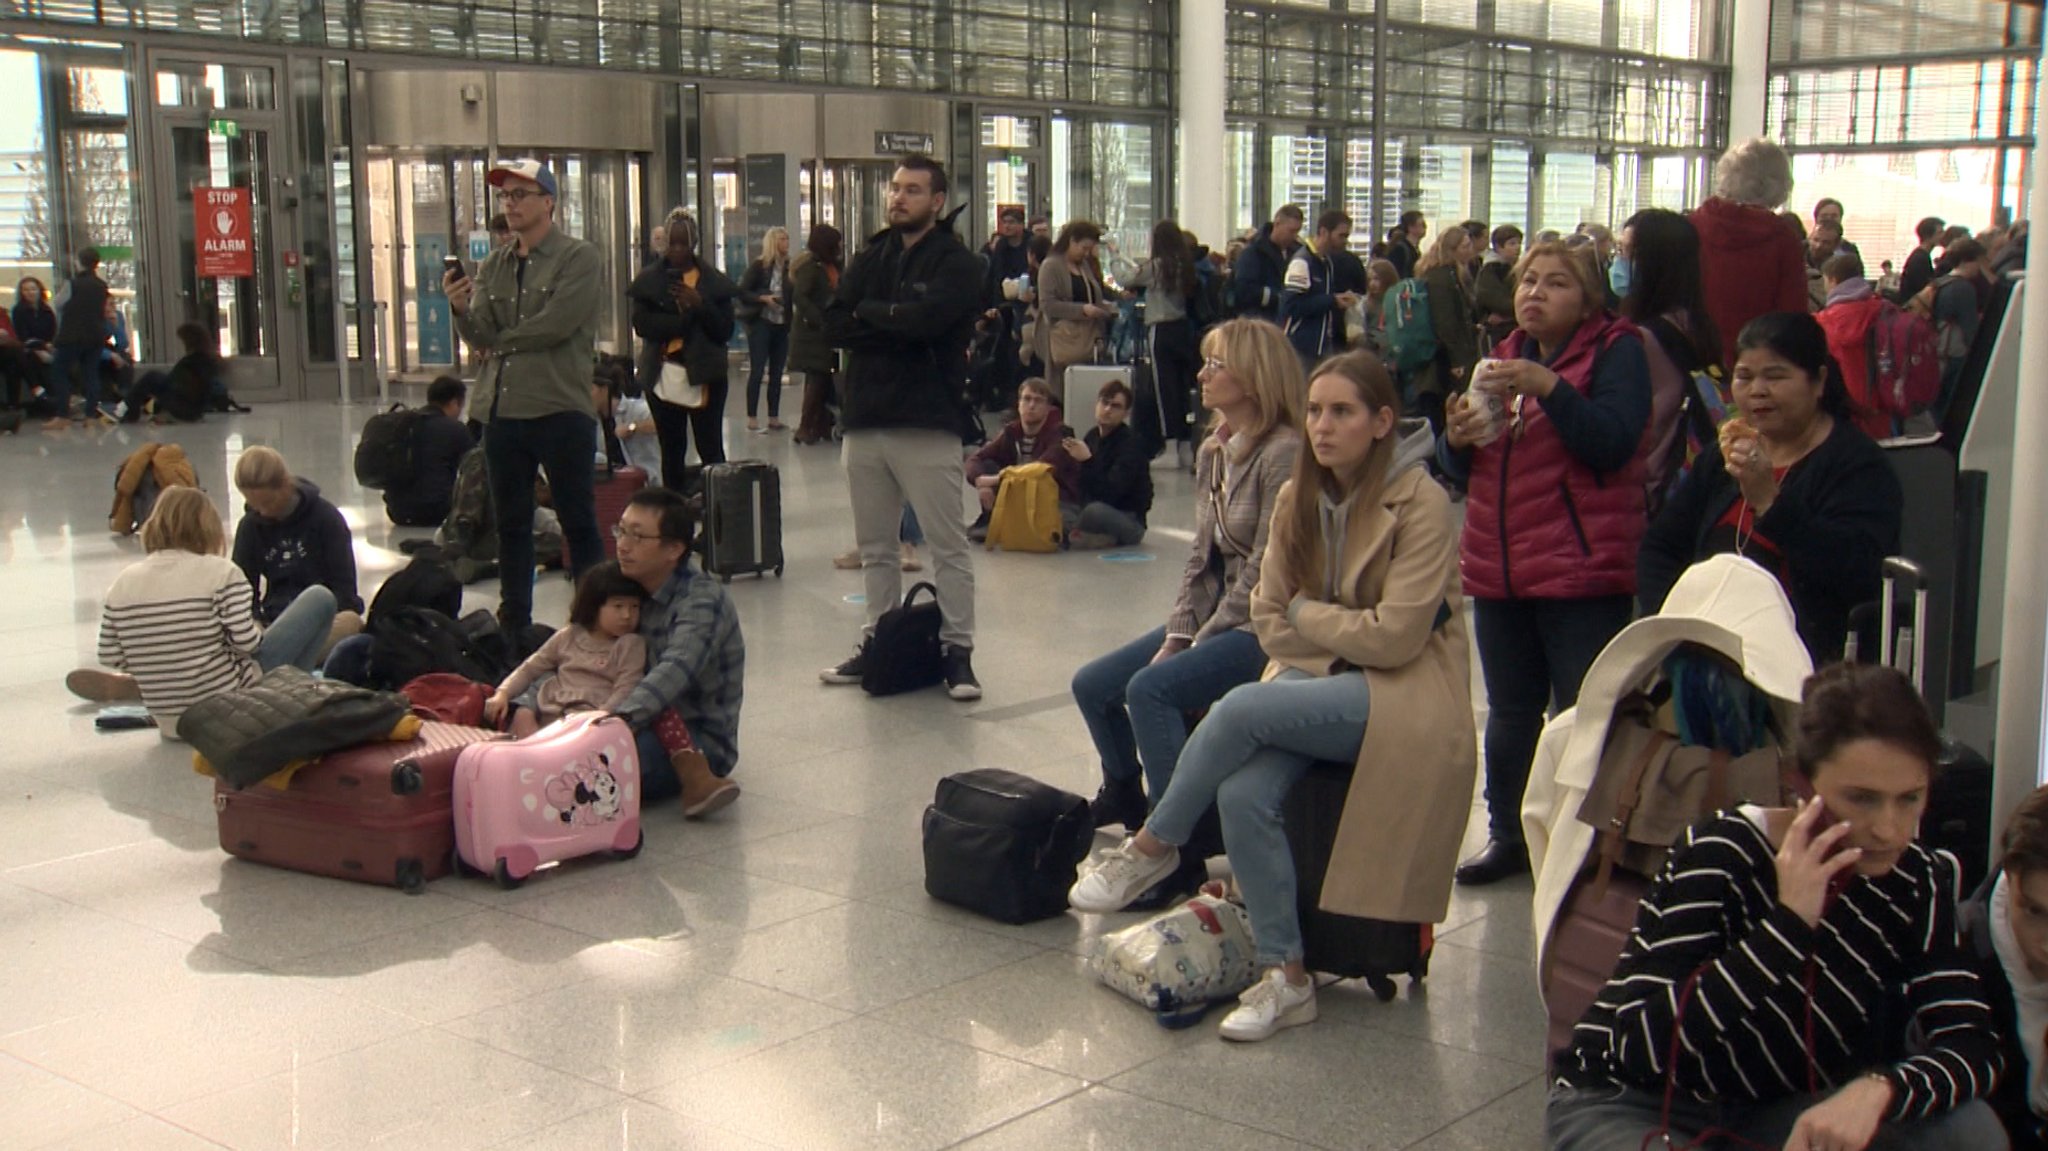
[{"x": 1793, "y": 484}]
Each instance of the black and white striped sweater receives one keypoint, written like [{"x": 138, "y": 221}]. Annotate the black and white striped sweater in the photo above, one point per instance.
[{"x": 1884, "y": 960}]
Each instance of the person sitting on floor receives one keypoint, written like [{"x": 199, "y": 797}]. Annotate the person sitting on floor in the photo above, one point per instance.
[
  {"x": 1359, "y": 608},
  {"x": 1793, "y": 979},
  {"x": 2005, "y": 931},
  {"x": 1035, "y": 436},
  {"x": 186, "y": 391},
  {"x": 180, "y": 626},
  {"x": 1116, "y": 475},
  {"x": 291, "y": 539},
  {"x": 439, "y": 441}
]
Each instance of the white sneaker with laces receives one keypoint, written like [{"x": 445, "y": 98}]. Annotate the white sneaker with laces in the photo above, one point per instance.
[
  {"x": 1111, "y": 880},
  {"x": 1272, "y": 1004}
]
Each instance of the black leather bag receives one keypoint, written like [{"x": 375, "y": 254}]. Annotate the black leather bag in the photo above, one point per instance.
[
  {"x": 1004, "y": 844},
  {"x": 903, "y": 654}
]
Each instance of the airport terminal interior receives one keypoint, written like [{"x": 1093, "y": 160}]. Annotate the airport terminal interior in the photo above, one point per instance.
[{"x": 775, "y": 975}]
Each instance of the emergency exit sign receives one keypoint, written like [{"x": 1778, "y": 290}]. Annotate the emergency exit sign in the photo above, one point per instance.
[{"x": 224, "y": 128}]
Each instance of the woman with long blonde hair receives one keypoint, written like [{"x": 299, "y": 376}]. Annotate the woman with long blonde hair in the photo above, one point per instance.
[
  {"x": 764, "y": 309},
  {"x": 1136, "y": 699}
]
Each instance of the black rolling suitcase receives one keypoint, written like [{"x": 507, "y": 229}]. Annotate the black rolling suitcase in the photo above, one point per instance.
[
  {"x": 1958, "y": 815},
  {"x": 742, "y": 519},
  {"x": 1343, "y": 945}
]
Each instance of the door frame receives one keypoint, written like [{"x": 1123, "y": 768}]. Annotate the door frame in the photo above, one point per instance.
[
  {"x": 281, "y": 375},
  {"x": 1038, "y": 157}
]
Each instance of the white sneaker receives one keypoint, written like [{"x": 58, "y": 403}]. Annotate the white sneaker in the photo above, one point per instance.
[
  {"x": 1270, "y": 1005},
  {"x": 1111, "y": 880}
]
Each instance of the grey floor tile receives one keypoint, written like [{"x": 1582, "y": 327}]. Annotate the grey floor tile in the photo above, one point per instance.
[
  {"x": 858, "y": 957},
  {"x": 1100, "y": 1119},
  {"x": 1514, "y": 1122},
  {"x": 1394, "y": 1089},
  {"x": 633, "y": 1125},
  {"x": 865, "y": 1084},
  {"x": 38, "y": 1108}
]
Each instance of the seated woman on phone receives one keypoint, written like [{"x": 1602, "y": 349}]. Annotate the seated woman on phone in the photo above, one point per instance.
[
  {"x": 1358, "y": 605},
  {"x": 1793, "y": 484},
  {"x": 1793, "y": 979}
]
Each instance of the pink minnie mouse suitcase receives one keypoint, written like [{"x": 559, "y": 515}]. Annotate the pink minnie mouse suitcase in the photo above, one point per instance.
[{"x": 568, "y": 790}]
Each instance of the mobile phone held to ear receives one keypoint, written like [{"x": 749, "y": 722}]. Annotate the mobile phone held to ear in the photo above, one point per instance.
[
  {"x": 1841, "y": 878},
  {"x": 452, "y": 265}
]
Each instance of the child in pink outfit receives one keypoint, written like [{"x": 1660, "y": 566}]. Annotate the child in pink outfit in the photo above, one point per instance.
[{"x": 597, "y": 660}]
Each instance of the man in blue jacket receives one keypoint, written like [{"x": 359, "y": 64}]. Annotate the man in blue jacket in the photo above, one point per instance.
[
  {"x": 905, "y": 313},
  {"x": 1311, "y": 307},
  {"x": 1260, "y": 274}
]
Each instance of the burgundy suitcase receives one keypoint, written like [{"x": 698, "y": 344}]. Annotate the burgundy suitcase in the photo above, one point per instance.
[
  {"x": 614, "y": 487},
  {"x": 376, "y": 813}
]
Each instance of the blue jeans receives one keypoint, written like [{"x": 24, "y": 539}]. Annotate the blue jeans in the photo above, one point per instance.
[
  {"x": 84, "y": 359},
  {"x": 909, "y": 532},
  {"x": 1245, "y": 757},
  {"x": 1101, "y": 519},
  {"x": 516, "y": 451},
  {"x": 1617, "y": 1118},
  {"x": 767, "y": 351},
  {"x": 299, "y": 633},
  {"x": 1137, "y": 712},
  {"x": 1532, "y": 654}
]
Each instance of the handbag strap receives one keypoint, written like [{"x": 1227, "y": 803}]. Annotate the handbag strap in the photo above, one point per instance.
[
  {"x": 926, "y": 586},
  {"x": 1614, "y": 835}
]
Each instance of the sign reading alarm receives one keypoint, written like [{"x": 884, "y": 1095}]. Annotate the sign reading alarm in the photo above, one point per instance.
[{"x": 225, "y": 241}]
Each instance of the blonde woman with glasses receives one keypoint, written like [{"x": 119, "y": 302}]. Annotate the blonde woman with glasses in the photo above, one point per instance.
[{"x": 1135, "y": 699}]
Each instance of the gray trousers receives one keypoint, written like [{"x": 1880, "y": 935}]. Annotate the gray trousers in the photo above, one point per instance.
[{"x": 886, "y": 469}]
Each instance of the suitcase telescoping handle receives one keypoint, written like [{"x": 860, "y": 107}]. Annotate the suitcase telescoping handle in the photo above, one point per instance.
[{"x": 1902, "y": 647}]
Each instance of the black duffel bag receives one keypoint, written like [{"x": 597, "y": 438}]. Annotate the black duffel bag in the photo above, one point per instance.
[
  {"x": 904, "y": 653},
  {"x": 1004, "y": 844}
]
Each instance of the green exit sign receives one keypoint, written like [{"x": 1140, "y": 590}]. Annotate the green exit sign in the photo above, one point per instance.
[{"x": 225, "y": 128}]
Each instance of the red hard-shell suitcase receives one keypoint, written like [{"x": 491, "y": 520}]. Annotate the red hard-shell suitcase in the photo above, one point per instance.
[
  {"x": 375, "y": 813},
  {"x": 614, "y": 488}
]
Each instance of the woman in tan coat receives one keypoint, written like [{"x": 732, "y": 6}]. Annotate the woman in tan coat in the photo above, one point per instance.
[{"x": 1358, "y": 604}]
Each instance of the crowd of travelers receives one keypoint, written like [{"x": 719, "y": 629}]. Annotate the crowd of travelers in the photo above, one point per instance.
[{"x": 1321, "y": 613}]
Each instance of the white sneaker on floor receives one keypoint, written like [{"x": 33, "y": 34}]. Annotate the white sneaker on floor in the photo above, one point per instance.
[
  {"x": 1272, "y": 1004},
  {"x": 1111, "y": 880}
]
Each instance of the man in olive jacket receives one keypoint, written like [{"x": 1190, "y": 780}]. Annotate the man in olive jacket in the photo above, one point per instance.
[
  {"x": 905, "y": 312},
  {"x": 533, "y": 307}
]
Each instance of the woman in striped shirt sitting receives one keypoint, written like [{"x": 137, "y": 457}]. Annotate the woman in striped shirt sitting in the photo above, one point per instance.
[
  {"x": 181, "y": 625},
  {"x": 1794, "y": 978}
]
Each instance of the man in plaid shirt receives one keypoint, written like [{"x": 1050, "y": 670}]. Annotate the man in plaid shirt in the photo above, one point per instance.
[{"x": 695, "y": 655}]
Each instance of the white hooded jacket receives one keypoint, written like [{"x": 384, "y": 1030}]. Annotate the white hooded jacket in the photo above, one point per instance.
[{"x": 1726, "y": 603}]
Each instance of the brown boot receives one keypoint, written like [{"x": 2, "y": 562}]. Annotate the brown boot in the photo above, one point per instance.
[
  {"x": 703, "y": 792},
  {"x": 101, "y": 686}
]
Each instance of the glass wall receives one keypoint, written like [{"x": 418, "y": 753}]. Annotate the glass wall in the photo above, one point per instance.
[
  {"x": 67, "y": 167},
  {"x": 1904, "y": 109}
]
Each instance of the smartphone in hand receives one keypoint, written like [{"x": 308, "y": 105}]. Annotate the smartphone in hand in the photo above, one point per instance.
[{"x": 452, "y": 266}]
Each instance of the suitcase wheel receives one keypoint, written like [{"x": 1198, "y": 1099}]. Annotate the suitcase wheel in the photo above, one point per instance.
[
  {"x": 460, "y": 867},
  {"x": 503, "y": 874},
  {"x": 778, "y": 571},
  {"x": 412, "y": 876},
  {"x": 1382, "y": 987},
  {"x": 638, "y": 841}
]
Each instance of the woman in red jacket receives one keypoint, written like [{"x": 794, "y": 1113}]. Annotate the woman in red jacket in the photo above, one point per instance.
[
  {"x": 1751, "y": 261},
  {"x": 1554, "y": 516}
]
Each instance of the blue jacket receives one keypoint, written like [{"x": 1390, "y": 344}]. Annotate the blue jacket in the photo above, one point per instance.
[
  {"x": 1308, "y": 304},
  {"x": 1258, "y": 277}
]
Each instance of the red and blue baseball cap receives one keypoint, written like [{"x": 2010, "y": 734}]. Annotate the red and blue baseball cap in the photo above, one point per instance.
[{"x": 532, "y": 170}]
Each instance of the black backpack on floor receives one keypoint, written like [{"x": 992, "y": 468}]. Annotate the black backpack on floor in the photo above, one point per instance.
[
  {"x": 410, "y": 641},
  {"x": 903, "y": 654},
  {"x": 427, "y": 581},
  {"x": 1004, "y": 844},
  {"x": 386, "y": 455}
]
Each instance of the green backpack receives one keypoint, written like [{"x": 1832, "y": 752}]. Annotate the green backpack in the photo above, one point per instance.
[{"x": 1404, "y": 317}]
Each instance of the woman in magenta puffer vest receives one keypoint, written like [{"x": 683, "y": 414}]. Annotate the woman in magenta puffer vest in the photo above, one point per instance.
[{"x": 1554, "y": 515}]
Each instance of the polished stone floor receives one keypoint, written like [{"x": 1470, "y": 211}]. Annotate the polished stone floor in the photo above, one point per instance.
[{"x": 773, "y": 977}]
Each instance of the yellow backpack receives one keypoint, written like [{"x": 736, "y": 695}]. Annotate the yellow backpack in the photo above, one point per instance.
[{"x": 1026, "y": 517}]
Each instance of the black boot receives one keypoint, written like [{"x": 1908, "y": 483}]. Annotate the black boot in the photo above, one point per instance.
[
  {"x": 1119, "y": 802},
  {"x": 1498, "y": 860}
]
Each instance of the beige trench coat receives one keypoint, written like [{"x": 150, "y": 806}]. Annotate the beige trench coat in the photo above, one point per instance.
[{"x": 1404, "y": 817}]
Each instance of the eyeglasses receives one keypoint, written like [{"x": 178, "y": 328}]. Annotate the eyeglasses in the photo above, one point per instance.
[
  {"x": 519, "y": 195},
  {"x": 1213, "y": 364},
  {"x": 620, "y": 534}
]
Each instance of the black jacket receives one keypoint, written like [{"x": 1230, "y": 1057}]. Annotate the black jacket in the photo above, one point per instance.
[
  {"x": 2027, "y": 1131},
  {"x": 439, "y": 443},
  {"x": 1259, "y": 276},
  {"x": 1118, "y": 472},
  {"x": 907, "y": 318},
  {"x": 705, "y": 331},
  {"x": 37, "y": 325},
  {"x": 310, "y": 545},
  {"x": 84, "y": 321},
  {"x": 754, "y": 293},
  {"x": 1835, "y": 520}
]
